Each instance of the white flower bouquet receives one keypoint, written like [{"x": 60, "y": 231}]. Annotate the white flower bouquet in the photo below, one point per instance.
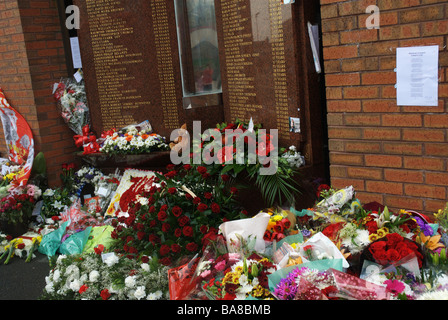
[
  {"x": 133, "y": 140},
  {"x": 106, "y": 276},
  {"x": 293, "y": 157}
]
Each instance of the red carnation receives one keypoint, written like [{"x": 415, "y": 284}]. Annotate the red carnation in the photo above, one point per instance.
[
  {"x": 83, "y": 289},
  {"x": 105, "y": 294},
  {"x": 99, "y": 249},
  {"x": 377, "y": 246},
  {"x": 172, "y": 190}
]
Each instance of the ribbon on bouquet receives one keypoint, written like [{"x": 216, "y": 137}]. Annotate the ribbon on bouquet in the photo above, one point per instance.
[
  {"x": 86, "y": 138},
  {"x": 108, "y": 133},
  {"x": 92, "y": 147}
]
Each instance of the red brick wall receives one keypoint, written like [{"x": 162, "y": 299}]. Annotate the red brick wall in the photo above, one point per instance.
[
  {"x": 33, "y": 58},
  {"x": 391, "y": 154}
]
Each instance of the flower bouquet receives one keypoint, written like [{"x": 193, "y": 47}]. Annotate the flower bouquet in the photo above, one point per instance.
[
  {"x": 22, "y": 247},
  {"x": 231, "y": 161},
  {"x": 281, "y": 224},
  {"x": 72, "y": 103},
  {"x": 393, "y": 249},
  {"x": 234, "y": 277},
  {"x": 105, "y": 276},
  {"x": 55, "y": 201},
  {"x": 17, "y": 207},
  {"x": 305, "y": 283},
  {"x": 176, "y": 217}
]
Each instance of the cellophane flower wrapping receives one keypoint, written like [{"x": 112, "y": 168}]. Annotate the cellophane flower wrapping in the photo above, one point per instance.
[
  {"x": 320, "y": 247},
  {"x": 72, "y": 104},
  {"x": 78, "y": 218},
  {"x": 234, "y": 275},
  {"x": 284, "y": 282},
  {"x": 246, "y": 230},
  {"x": 182, "y": 281},
  {"x": 353, "y": 288}
]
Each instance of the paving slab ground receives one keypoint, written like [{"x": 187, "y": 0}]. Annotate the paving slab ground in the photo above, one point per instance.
[{"x": 23, "y": 281}]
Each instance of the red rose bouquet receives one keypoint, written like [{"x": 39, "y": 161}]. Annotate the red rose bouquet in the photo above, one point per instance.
[{"x": 392, "y": 249}]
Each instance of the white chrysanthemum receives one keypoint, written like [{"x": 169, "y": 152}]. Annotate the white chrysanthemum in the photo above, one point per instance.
[
  {"x": 155, "y": 295},
  {"x": 111, "y": 260},
  {"x": 56, "y": 275},
  {"x": 140, "y": 292},
  {"x": 434, "y": 295},
  {"x": 151, "y": 296},
  {"x": 130, "y": 281},
  {"x": 93, "y": 276},
  {"x": 49, "y": 287},
  {"x": 75, "y": 285}
]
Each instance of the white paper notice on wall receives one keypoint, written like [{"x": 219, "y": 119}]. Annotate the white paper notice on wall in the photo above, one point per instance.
[
  {"x": 417, "y": 76},
  {"x": 76, "y": 53}
]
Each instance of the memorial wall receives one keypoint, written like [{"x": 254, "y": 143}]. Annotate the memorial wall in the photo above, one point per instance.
[
  {"x": 132, "y": 69},
  {"x": 130, "y": 63}
]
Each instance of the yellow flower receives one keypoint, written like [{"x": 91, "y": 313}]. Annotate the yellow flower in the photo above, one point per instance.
[
  {"x": 258, "y": 291},
  {"x": 239, "y": 269},
  {"x": 271, "y": 225},
  {"x": 277, "y": 217},
  {"x": 293, "y": 262},
  {"x": 382, "y": 232},
  {"x": 373, "y": 237}
]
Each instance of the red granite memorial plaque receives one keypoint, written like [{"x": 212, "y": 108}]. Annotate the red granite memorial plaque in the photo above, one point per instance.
[
  {"x": 258, "y": 54},
  {"x": 131, "y": 63}
]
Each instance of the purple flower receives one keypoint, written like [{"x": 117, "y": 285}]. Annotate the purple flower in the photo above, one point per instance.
[{"x": 426, "y": 228}]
